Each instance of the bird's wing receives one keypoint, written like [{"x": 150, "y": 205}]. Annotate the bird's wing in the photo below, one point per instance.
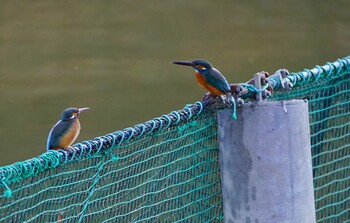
[
  {"x": 55, "y": 134},
  {"x": 217, "y": 80}
]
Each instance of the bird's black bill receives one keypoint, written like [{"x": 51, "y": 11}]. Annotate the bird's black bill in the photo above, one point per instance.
[{"x": 185, "y": 63}]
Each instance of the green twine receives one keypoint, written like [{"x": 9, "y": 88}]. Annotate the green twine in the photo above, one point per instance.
[
  {"x": 234, "y": 114},
  {"x": 186, "y": 126},
  {"x": 8, "y": 191},
  {"x": 114, "y": 158},
  {"x": 252, "y": 88}
]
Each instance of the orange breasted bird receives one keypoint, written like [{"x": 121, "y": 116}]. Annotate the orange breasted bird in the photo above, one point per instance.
[
  {"x": 66, "y": 130},
  {"x": 209, "y": 78}
]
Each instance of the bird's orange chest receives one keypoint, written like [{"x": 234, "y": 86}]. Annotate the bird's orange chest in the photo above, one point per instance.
[
  {"x": 204, "y": 84},
  {"x": 71, "y": 135},
  {"x": 201, "y": 80}
]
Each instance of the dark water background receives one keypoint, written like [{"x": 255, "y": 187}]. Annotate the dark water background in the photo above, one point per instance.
[{"x": 114, "y": 56}]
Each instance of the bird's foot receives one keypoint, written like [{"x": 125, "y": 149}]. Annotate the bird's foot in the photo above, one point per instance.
[
  {"x": 230, "y": 100},
  {"x": 208, "y": 96}
]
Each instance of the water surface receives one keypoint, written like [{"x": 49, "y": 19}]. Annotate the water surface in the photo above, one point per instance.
[{"x": 114, "y": 56}]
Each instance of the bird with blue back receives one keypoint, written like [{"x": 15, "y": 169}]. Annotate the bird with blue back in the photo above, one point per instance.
[
  {"x": 66, "y": 130},
  {"x": 210, "y": 78}
]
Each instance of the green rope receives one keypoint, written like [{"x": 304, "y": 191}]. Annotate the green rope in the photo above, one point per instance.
[
  {"x": 52, "y": 159},
  {"x": 234, "y": 113},
  {"x": 330, "y": 70},
  {"x": 253, "y": 89}
]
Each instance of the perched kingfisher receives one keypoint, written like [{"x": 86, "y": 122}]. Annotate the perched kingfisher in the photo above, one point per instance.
[
  {"x": 66, "y": 130},
  {"x": 209, "y": 78}
]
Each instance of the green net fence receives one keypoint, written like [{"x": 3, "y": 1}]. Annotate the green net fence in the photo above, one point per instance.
[
  {"x": 327, "y": 89},
  {"x": 167, "y": 169}
]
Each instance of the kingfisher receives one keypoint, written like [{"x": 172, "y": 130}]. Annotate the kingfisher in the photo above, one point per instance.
[
  {"x": 209, "y": 78},
  {"x": 66, "y": 130}
]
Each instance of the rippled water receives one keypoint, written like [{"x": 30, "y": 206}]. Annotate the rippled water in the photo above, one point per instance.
[{"x": 114, "y": 56}]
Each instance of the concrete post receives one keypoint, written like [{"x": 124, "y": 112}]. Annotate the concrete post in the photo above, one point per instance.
[{"x": 265, "y": 160}]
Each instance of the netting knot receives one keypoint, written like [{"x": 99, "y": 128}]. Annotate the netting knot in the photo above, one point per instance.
[{"x": 7, "y": 191}]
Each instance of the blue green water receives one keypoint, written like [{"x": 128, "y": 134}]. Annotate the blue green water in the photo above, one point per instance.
[{"x": 114, "y": 56}]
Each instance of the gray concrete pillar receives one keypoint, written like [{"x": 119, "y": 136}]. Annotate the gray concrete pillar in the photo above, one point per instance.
[{"x": 265, "y": 160}]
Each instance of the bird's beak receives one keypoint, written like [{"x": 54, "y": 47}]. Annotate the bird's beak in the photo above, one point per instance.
[
  {"x": 83, "y": 109},
  {"x": 185, "y": 63}
]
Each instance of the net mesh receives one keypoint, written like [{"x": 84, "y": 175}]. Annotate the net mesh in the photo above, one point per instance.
[
  {"x": 329, "y": 113},
  {"x": 167, "y": 170}
]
